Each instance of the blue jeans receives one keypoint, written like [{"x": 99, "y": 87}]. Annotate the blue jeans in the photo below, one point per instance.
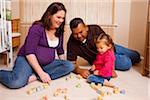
[
  {"x": 125, "y": 58},
  {"x": 21, "y": 72},
  {"x": 96, "y": 79}
]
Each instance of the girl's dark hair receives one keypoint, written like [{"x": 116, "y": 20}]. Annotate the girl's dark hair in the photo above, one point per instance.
[
  {"x": 106, "y": 37},
  {"x": 46, "y": 21}
]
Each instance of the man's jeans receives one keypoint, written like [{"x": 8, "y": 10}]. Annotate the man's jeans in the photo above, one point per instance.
[
  {"x": 125, "y": 57},
  {"x": 21, "y": 72}
]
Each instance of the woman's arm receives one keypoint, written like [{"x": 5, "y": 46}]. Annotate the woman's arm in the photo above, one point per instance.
[
  {"x": 62, "y": 57},
  {"x": 37, "y": 68}
]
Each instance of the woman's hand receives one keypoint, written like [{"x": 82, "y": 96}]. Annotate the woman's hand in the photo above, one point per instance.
[
  {"x": 37, "y": 68},
  {"x": 45, "y": 78}
]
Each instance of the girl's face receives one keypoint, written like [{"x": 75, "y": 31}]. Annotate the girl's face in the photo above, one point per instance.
[
  {"x": 57, "y": 19},
  {"x": 102, "y": 47}
]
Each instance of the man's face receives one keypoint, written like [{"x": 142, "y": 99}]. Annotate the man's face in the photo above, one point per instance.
[{"x": 80, "y": 33}]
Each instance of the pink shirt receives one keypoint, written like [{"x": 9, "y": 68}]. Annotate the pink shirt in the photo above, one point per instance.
[{"x": 104, "y": 63}]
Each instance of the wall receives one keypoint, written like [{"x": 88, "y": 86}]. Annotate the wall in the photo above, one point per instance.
[
  {"x": 122, "y": 20},
  {"x": 15, "y": 9},
  {"x": 130, "y": 18},
  {"x": 138, "y": 20},
  {"x": 93, "y": 12}
]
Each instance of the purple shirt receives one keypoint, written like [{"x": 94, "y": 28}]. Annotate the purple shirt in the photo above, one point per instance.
[{"x": 36, "y": 43}]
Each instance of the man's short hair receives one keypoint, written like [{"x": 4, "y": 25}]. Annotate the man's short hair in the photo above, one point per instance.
[{"x": 75, "y": 22}]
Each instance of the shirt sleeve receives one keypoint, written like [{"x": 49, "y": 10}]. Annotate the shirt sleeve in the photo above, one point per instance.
[
  {"x": 32, "y": 40},
  {"x": 60, "y": 49},
  {"x": 71, "y": 50},
  {"x": 98, "y": 30},
  {"x": 98, "y": 62}
]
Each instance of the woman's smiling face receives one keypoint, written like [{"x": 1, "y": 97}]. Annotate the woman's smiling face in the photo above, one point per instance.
[{"x": 57, "y": 19}]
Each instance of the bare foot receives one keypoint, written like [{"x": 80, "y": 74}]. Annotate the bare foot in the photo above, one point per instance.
[
  {"x": 114, "y": 74},
  {"x": 107, "y": 83},
  {"x": 32, "y": 78}
]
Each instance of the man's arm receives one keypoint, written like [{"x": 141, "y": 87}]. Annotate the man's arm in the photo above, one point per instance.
[{"x": 83, "y": 72}]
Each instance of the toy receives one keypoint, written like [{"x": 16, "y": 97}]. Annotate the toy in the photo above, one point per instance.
[
  {"x": 37, "y": 89},
  {"x": 108, "y": 93},
  {"x": 95, "y": 87},
  {"x": 99, "y": 86},
  {"x": 57, "y": 92},
  {"x": 66, "y": 97},
  {"x": 60, "y": 91},
  {"x": 71, "y": 76},
  {"x": 79, "y": 76},
  {"x": 92, "y": 85},
  {"x": 67, "y": 78},
  {"x": 99, "y": 97},
  {"x": 122, "y": 91},
  {"x": 44, "y": 98},
  {"x": 78, "y": 85},
  {"x": 116, "y": 90}
]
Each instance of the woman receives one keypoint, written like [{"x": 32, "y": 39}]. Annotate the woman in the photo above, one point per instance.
[{"x": 36, "y": 58}]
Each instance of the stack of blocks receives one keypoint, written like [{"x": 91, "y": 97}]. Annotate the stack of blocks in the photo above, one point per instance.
[
  {"x": 102, "y": 94},
  {"x": 37, "y": 89}
]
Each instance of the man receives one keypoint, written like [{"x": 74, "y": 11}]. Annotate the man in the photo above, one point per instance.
[{"x": 81, "y": 43}]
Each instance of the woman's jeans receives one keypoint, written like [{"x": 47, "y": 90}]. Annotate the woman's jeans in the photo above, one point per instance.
[
  {"x": 21, "y": 72},
  {"x": 125, "y": 58}
]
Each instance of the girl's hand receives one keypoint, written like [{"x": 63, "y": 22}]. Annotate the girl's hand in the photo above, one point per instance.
[
  {"x": 96, "y": 72},
  {"x": 45, "y": 78},
  {"x": 92, "y": 68}
]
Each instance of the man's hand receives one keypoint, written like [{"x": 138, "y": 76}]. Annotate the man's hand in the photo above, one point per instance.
[{"x": 84, "y": 72}]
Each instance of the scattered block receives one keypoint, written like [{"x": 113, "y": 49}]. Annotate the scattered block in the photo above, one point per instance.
[
  {"x": 92, "y": 85},
  {"x": 66, "y": 97},
  {"x": 71, "y": 76},
  {"x": 95, "y": 87},
  {"x": 78, "y": 85},
  {"x": 99, "y": 86},
  {"x": 44, "y": 98},
  {"x": 122, "y": 91},
  {"x": 108, "y": 93},
  {"x": 116, "y": 90},
  {"x": 102, "y": 93},
  {"x": 79, "y": 76},
  {"x": 67, "y": 79},
  {"x": 37, "y": 89},
  {"x": 60, "y": 91},
  {"x": 99, "y": 97}
]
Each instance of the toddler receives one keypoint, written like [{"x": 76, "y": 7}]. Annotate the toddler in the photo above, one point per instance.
[{"x": 103, "y": 65}]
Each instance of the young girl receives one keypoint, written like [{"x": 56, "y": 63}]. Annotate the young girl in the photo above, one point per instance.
[{"x": 103, "y": 65}]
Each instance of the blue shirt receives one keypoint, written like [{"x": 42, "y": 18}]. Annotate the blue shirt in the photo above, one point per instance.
[{"x": 36, "y": 43}]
